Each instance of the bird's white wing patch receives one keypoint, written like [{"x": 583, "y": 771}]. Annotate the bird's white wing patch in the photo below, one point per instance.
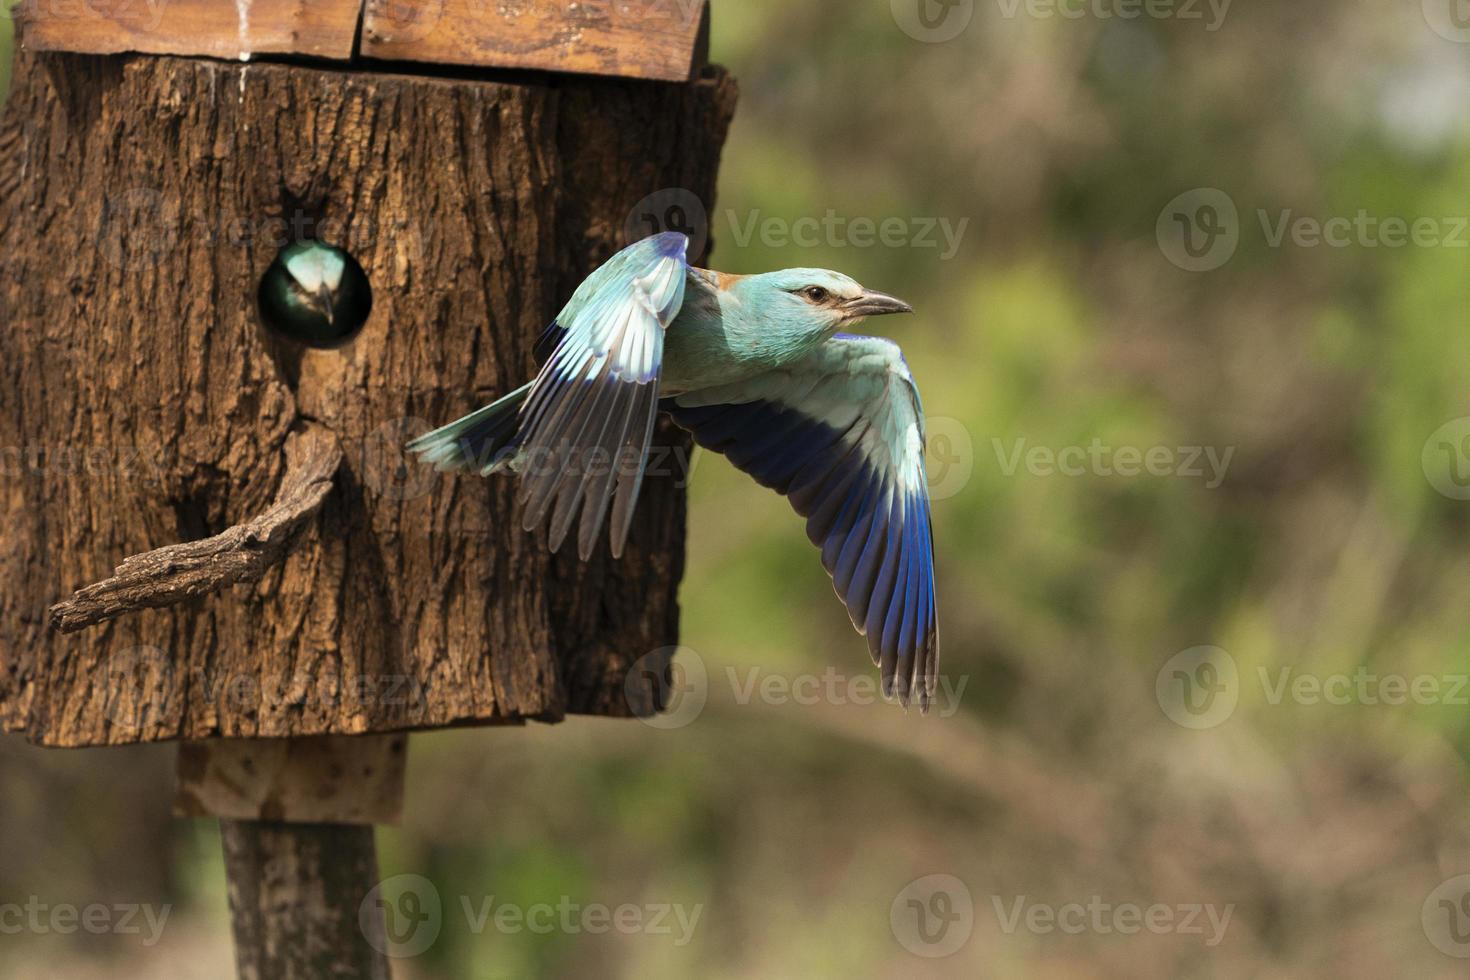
[{"x": 589, "y": 418}]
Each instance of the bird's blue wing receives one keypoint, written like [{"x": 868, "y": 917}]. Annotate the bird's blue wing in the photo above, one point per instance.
[
  {"x": 841, "y": 434},
  {"x": 586, "y": 424}
]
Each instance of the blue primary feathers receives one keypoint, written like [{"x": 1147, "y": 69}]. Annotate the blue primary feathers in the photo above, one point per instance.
[{"x": 757, "y": 368}]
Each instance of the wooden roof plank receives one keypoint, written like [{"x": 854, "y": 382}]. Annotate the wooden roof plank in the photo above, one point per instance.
[
  {"x": 212, "y": 28},
  {"x": 653, "y": 39}
]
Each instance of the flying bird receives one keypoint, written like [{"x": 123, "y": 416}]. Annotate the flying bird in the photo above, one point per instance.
[{"x": 758, "y": 368}]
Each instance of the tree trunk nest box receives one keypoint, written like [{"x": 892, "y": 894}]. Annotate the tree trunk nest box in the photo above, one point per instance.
[{"x": 209, "y": 527}]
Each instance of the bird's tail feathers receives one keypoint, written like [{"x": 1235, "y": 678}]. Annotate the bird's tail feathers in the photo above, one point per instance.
[{"x": 483, "y": 442}]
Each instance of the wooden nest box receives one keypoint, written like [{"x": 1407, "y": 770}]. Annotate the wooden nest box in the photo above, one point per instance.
[{"x": 210, "y": 531}]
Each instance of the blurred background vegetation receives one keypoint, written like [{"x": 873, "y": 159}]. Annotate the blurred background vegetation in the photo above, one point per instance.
[{"x": 1058, "y": 320}]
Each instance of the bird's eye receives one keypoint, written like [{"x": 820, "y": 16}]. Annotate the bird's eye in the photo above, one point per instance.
[{"x": 815, "y": 293}]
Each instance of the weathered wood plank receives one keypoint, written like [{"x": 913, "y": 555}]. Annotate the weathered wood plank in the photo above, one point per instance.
[
  {"x": 655, "y": 39},
  {"x": 212, "y": 28},
  {"x": 348, "y": 779}
]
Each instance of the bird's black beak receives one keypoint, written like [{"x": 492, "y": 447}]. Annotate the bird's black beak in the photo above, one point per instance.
[
  {"x": 872, "y": 303},
  {"x": 323, "y": 301}
]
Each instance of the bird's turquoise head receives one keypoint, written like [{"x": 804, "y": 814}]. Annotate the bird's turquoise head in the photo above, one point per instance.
[
  {"x": 315, "y": 293},
  {"x": 819, "y": 298}
]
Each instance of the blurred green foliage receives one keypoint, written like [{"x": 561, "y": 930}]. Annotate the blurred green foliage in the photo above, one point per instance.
[
  {"x": 1058, "y": 321},
  {"x": 7, "y": 42}
]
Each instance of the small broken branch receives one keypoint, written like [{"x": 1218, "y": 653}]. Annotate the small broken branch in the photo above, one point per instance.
[{"x": 244, "y": 553}]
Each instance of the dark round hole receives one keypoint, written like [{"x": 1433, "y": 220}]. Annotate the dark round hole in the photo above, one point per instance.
[{"x": 316, "y": 294}]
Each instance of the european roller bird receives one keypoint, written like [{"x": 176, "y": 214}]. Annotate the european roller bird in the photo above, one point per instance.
[
  {"x": 758, "y": 368},
  {"x": 315, "y": 293}
]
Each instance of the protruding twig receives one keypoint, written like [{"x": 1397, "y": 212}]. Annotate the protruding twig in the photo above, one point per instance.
[{"x": 241, "y": 554}]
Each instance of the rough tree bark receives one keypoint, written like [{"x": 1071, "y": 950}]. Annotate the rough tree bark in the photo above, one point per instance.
[
  {"x": 141, "y": 403},
  {"x": 297, "y": 892},
  {"x": 244, "y": 553}
]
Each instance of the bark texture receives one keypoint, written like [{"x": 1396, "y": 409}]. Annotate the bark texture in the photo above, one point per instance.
[
  {"x": 244, "y": 553},
  {"x": 302, "y": 905},
  {"x": 142, "y": 404}
]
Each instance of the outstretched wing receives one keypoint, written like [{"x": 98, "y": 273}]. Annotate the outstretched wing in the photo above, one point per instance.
[
  {"x": 841, "y": 433},
  {"x": 585, "y": 427}
]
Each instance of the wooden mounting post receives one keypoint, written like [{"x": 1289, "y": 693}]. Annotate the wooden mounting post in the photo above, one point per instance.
[
  {"x": 296, "y": 824},
  {"x": 295, "y": 892}
]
